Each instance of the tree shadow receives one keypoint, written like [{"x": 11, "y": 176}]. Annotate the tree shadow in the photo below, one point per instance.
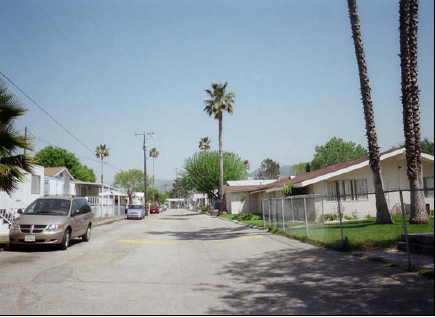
[
  {"x": 216, "y": 233},
  {"x": 319, "y": 282}
]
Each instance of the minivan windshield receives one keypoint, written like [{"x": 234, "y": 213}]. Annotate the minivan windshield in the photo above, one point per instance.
[
  {"x": 135, "y": 207},
  {"x": 48, "y": 207}
]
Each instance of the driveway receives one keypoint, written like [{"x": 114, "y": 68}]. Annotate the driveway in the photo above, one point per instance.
[{"x": 184, "y": 263}]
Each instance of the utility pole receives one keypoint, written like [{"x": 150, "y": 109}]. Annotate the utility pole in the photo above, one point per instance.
[
  {"x": 25, "y": 138},
  {"x": 145, "y": 138}
]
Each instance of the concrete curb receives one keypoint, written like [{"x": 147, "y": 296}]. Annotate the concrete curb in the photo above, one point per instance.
[
  {"x": 107, "y": 221},
  {"x": 242, "y": 224}
]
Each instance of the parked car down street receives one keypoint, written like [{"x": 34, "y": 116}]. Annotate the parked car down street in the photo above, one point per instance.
[
  {"x": 155, "y": 209},
  {"x": 136, "y": 212}
]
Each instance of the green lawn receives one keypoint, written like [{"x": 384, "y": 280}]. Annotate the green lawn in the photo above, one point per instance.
[{"x": 358, "y": 234}]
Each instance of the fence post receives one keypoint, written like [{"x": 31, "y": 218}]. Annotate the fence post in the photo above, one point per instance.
[
  {"x": 270, "y": 207},
  {"x": 340, "y": 215},
  {"x": 405, "y": 230},
  {"x": 323, "y": 210},
  {"x": 262, "y": 211},
  {"x": 283, "y": 215},
  {"x": 306, "y": 217},
  {"x": 293, "y": 213}
]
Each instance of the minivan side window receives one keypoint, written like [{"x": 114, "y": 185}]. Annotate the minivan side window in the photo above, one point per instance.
[
  {"x": 84, "y": 206},
  {"x": 75, "y": 207}
]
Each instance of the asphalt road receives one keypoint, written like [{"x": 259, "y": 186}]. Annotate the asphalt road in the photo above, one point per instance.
[{"x": 184, "y": 263}]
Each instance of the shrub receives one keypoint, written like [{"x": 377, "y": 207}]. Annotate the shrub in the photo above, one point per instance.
[
  {"x": 331, "y": 217},
  {"x": 204, "y": 208},
  {"x": 247, "y": 217},
  {"x": 347, "y": 217}
]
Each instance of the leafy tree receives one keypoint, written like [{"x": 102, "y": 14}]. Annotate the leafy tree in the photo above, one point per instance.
[
  {"x": 83, "y": 173},
  {"x": 181, "y": 188},
  {"x": 383, "y": 215},
  {"x": 12, "y": 164},
  {"x": 218, "y": 103},
  {"x": 427, "y": 146},
  {"x": 202, "y": 171},
  {"x": 411, "y": 107},
  {"x": 301, "y": 168},
  {"x": 336, "y": 151},
  {"x": 247, "y": 166},
  {"x": 101, "y": 152},
  {"x": 130, "y": 180},
  {"x": 269, "y": 169},
  {"x": 54, "y": 157},
  {"x": 204, "y": 143}
]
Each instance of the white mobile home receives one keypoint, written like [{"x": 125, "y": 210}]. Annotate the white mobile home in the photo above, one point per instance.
[{"x": 354, "y": 181}]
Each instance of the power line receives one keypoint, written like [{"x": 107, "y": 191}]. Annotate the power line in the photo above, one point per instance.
[{"x": 45, "y": 111}]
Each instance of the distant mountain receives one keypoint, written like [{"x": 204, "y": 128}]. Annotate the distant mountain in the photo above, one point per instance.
[{"x": 160, "y": 184}]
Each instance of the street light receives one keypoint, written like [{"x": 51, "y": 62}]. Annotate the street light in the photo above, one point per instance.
[{"x": 145, "y": 138}]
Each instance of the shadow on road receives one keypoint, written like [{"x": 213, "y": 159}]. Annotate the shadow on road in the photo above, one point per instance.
[
  {"x": 217, "y": 233},
  {"x": 320, "y": 282}
]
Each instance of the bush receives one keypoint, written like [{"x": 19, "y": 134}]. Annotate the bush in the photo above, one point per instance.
[
  {"x": 247, "y": 217},
  {"x": 347, "y": 217},
  {"x": 204, "y": 208},
  {"x": 331, "y": 217}
]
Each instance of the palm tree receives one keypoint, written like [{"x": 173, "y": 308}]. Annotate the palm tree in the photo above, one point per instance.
[
  {"x": 411, "y": 106},
  {"x": 101, "y": 152},
  {"x": 12, "y": 165},
  {"x": 154, "y": 154},
  {"x": 382, "y": 214},
  {"x": 204, "y": 144},
  {"x": 219, "y": 102}
]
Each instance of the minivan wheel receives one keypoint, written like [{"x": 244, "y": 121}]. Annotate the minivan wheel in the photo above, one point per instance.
[
  {"x": 65, "y": 242},
  {"x": 87, "y": 236}
]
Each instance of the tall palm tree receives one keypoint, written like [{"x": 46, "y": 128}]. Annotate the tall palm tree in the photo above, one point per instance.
[
  {"x": 382, "y": 214},
  {"x": 204, "y": 143},
  {"x": 219, "y": 102},
  {"x": 411, "y": 106},
  {"x": 101, "y": 152},
  {"x": 12, "y": 165},
  {"x": 154, "y": 154}
]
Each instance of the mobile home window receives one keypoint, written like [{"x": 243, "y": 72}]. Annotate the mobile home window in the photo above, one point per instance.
[
  {"x": 349, "y": 190},
  {"x": 36, "y": 184}
]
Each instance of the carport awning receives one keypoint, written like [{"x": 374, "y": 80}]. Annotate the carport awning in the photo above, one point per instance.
[{"x": 113, "y": 193}]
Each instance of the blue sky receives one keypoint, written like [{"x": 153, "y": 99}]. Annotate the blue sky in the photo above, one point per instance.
[{"x": 108, "y": 69}]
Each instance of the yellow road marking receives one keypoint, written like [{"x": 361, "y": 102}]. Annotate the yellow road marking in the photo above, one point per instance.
[{"x": 126, "y": 241}]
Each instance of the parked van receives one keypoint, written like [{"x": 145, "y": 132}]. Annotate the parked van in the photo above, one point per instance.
[{"x": 52, "y": 220}]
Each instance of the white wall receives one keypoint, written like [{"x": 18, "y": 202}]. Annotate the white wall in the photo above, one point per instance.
[
  {"x": 23, "y": 197},
  {"x": 55, "y": 186},
  {"x": 394, "y": 177}
]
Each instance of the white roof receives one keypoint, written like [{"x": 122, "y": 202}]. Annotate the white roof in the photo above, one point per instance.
[{"x": 251, "y": 182}]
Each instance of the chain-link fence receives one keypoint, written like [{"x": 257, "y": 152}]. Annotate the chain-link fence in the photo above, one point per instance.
[{"x": 350, "y": 222}]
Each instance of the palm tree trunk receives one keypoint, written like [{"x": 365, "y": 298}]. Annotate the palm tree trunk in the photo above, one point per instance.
[
  {"x": 382, "y": 214},
  {"x": 411, "y": 106},
  {"x": 154, "y": 176},
  {"x": 102, "y": 170},
  {"x": 221, "y": 163}
]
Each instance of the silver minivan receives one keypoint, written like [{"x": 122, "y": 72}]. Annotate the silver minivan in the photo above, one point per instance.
[{"x": 52, "y": 220}]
